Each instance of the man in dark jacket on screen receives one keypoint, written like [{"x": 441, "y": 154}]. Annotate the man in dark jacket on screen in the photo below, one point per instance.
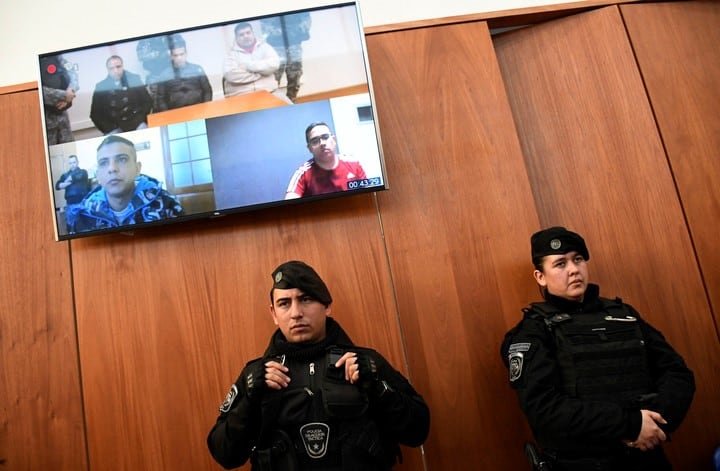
[{"x": 120, "y": 102}]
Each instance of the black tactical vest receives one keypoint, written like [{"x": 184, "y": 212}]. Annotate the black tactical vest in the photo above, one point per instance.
[
  {"x": 320, "y": 421},
  {"x": 601, "y": 354}
]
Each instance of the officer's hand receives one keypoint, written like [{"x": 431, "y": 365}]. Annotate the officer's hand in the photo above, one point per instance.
[
  {"x": 261, "y": 376},
  {"x": 650, "y": 433},
  {"x": 360, "y": 369},
  {"x": 349, "y": 362},
  {"x": 276, "y": 375}
]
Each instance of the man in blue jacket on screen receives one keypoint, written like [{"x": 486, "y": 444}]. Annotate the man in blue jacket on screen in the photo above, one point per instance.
[{"x": 124, "y": 196}]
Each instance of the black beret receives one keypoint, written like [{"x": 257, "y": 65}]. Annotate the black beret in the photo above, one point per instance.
[
  {"x": 556, "y": 241},
  {"x": 299, "y": 275}
]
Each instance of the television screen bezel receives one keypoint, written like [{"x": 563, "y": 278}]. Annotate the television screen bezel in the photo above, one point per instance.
[{"x": 375, "y": 182}]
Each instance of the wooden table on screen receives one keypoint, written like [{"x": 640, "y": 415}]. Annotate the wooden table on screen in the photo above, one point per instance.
[{"x": 231, "y": 105}]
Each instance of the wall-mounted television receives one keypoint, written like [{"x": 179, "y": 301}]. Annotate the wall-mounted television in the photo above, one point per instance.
[{"x": 210, "y": 120}]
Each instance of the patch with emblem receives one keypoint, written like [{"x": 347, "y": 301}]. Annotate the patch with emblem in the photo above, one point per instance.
[
  {"x": 555, "y": 244},
  {"x": 515, "y": 365},
  {"x": 229, "y": 399},
  {"x": 315, "y": 437},
  {"x": 515, "y": 358},
  {"x": 278, "y": 277}
]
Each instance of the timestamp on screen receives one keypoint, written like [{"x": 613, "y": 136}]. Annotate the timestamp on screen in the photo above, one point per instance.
[{"x": 364, "y": 183}]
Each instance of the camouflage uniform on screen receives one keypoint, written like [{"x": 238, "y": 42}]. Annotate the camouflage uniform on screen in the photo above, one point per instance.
[
  {"x": 286, "y": 34},
  {"x": 57, "y": 76}
]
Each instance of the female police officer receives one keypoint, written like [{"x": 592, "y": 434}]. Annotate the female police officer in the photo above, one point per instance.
[{"x": 600, "y": 387}]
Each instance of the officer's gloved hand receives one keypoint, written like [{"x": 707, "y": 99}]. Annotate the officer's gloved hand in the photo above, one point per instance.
[
  {"x": 255, "y": 381},
  {"x": 368, "y": 380}
]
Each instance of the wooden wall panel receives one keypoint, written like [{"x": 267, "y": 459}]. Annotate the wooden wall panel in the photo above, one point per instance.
[
  {"x": 167, "y": 319},
  {"x": 597, "y": 165},
  {"x": 41, "y": 424},
  {"x": 457, "y": 222},
  {"x": 431, "y": 272},
  {"x": 676, "y": 45}
]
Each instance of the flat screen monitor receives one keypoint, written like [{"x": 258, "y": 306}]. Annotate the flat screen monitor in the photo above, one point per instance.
[{"x": 205, "y": 121}]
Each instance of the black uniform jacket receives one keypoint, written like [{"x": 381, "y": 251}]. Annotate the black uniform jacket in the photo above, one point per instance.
[
  {"x": 400, "y": 413},
  {"x": 556, "y": 418},
  {"x": 122, "y": 107}
]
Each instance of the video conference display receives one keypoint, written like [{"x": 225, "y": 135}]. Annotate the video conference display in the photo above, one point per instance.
[{"x": 207, "y": 121}]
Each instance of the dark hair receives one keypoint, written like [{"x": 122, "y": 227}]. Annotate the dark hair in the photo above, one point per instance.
[
  {"x": 176, "y": 41},
  {"x": 115, "y": 139},
  {"x": 311, "y": 126},
  {"x": 242, "y": 25},
  {"x": 114, "y": 56}
]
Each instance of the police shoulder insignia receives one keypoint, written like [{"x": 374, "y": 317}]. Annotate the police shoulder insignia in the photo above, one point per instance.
[
  {"x": 315, "y": 437},
  {"x": 515, "y": 364},
  {"x": 229, "y": 399},
  {"x": 516, "y": 356}
]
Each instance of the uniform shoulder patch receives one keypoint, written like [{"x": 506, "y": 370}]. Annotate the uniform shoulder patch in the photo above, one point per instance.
[
  {"x": 516, "y": 356},
  {"x": 515, "y": 365},
  {"x": 229, "y": 399}
]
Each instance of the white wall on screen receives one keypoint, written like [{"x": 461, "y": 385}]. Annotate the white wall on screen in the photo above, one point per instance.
[
  {"x": 31, "y": 28},
  {"x": 355, "y": 138},
  {"x": 332, "y": 59}
]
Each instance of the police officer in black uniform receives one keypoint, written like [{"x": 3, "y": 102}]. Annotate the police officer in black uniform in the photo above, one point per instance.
[
  {"x": 600, "y": 387},
  {"x": 315, "y": 401}
]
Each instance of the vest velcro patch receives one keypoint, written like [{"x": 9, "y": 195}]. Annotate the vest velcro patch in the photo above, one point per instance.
[
  {"x": 519, "y": 347},
  {"x": 315, "y": 437}
]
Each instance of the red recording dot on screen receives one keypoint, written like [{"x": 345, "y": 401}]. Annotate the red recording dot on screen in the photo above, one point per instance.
[{"x": 52, "y": 69}]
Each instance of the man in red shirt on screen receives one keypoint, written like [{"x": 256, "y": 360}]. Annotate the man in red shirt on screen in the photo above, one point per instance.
[{"x": 327, "y": 171}]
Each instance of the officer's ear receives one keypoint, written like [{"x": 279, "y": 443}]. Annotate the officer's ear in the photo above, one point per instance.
[
  {"x": 272, "y": 313},
  {"x": 540, "y": 278}
]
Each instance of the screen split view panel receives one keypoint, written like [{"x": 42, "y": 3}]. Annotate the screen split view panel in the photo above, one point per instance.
[{"x": 210, "y": 120}]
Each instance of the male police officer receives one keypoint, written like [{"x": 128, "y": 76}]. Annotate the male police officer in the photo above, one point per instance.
[
  {"x": 601, "y": 388},
  {"x": 315, "y": 401}
]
